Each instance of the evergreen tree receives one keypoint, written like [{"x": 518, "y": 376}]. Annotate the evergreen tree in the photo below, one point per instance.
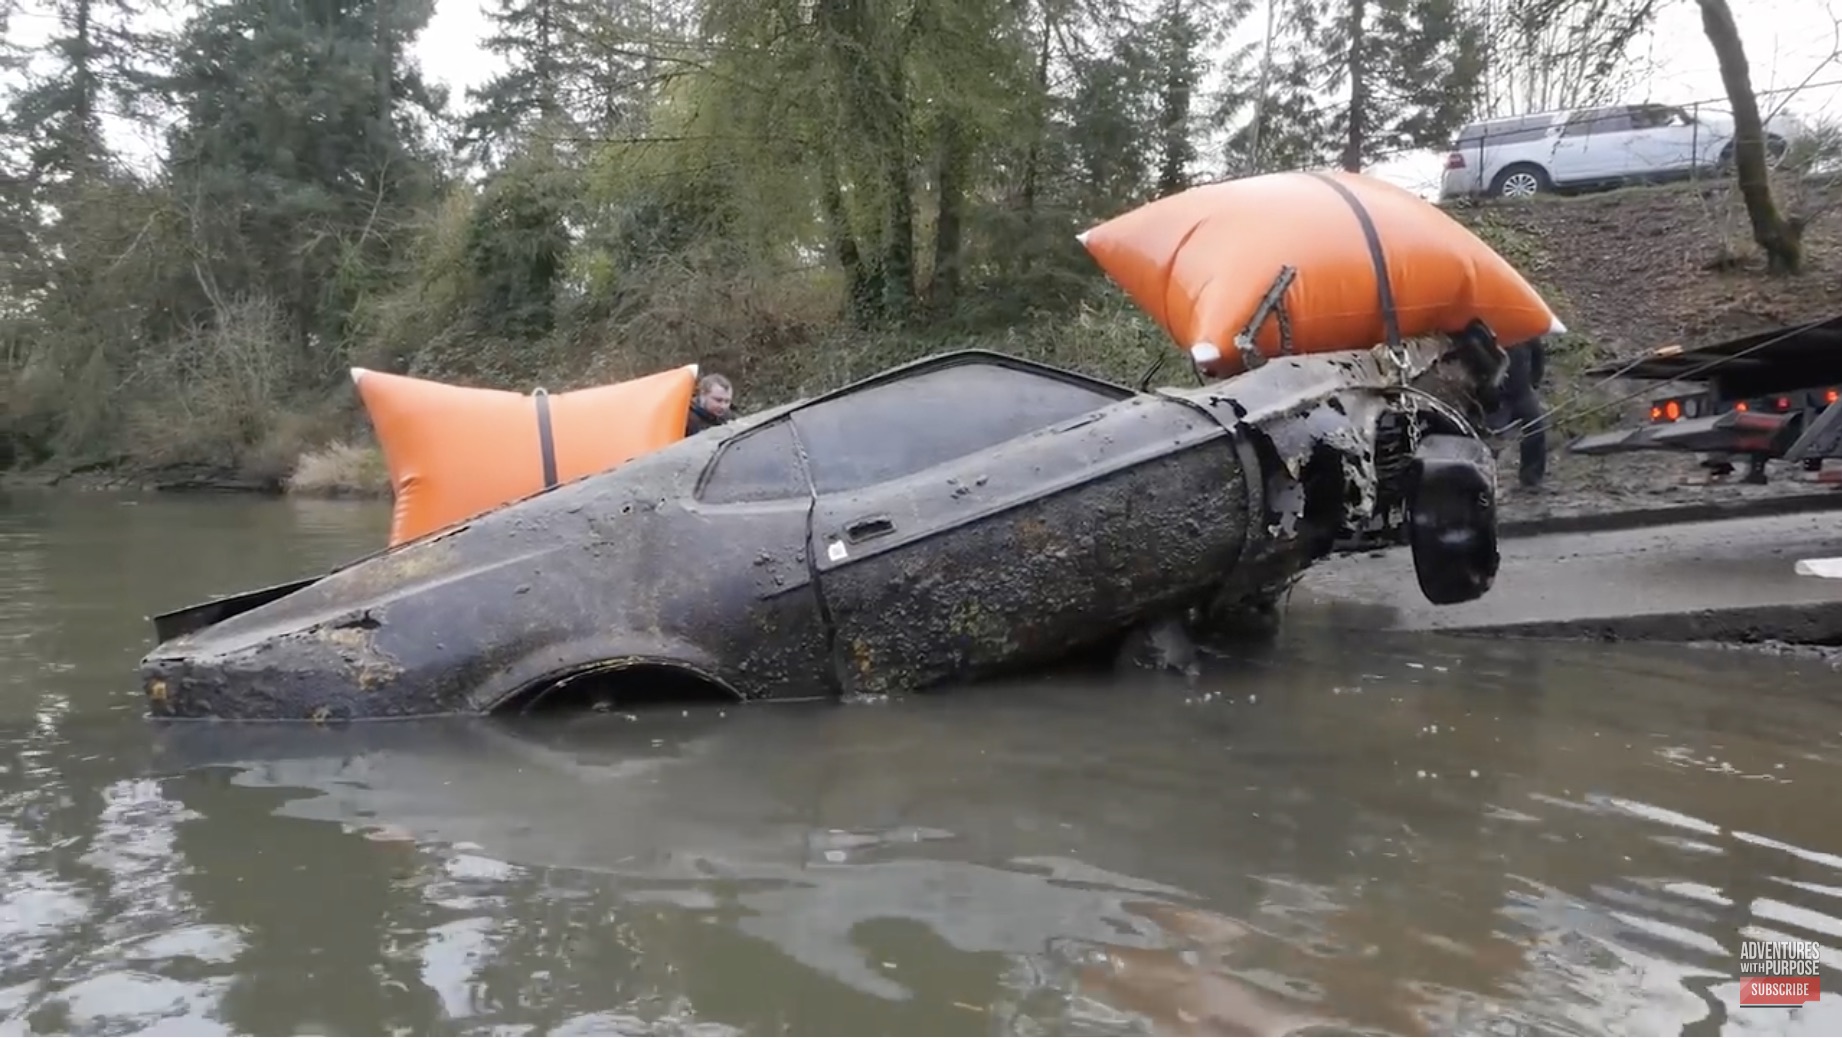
[
  {"x": 1354, "y": 81},
  {"x": 540, "y": 42},
  {"x": 95, "y": 61},
  {"x": 296, "y": 148},
  {"x": 580, "y": 70}
]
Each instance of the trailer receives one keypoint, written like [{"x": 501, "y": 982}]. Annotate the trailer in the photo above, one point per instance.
[{"x": 1760, "y": 397}]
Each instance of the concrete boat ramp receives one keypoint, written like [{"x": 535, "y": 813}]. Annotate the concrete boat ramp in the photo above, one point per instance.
[{"x": 1723, "y": 580}]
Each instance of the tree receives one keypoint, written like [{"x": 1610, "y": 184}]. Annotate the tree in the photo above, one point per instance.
[
  {"x": 731, "y": 180},
  {"x": 95, "y": 57},
  {"x": 1543, "y": 55},
  {"x": 559, "y": 77},
  {"x": 295, "y": 154},
  {"x": 1358, "y": 80},
  {"x": 1179, "y": 67},
  {"x": 1779, "y": 237}
]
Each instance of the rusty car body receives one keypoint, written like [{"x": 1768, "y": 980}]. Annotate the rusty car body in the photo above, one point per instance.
[{"x": 957, "y": 517}]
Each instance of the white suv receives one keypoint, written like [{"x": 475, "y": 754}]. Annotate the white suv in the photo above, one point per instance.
[{"x": 1584, "y": 148}]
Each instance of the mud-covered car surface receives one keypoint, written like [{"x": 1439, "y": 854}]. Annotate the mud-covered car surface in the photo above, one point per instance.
[{"x": 962, "y": 515}]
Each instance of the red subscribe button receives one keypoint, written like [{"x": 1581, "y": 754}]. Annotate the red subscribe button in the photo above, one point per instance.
[{"x": 1780, "y": 991}]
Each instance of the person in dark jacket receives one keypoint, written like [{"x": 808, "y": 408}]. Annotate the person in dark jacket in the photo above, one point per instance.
[
  {"x": 1519, "y": 409},
  {"x": 711, "y": 406}
]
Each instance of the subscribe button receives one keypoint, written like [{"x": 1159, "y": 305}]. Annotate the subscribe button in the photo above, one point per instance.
[{"x": 1780, "y": 991}]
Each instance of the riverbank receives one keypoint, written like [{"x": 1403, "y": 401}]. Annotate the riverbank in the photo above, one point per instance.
[{"x": 1627, "y": 270}]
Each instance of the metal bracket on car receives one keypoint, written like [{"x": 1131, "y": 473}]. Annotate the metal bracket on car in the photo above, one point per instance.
[
  {"x": 1271, "y": 305},
  {"x": 1288, "y": 384}
]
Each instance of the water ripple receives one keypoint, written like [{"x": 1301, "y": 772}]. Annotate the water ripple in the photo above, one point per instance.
[{"x": 1375, "y": 835}]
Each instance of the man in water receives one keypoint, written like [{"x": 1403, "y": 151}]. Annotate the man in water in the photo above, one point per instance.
[{"x": 710, "y": 407}]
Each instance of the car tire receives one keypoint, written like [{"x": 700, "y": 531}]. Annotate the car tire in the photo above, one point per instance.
[
  {"x": 1522, "y": 180},
  {"x": 1775, "y": 149}
]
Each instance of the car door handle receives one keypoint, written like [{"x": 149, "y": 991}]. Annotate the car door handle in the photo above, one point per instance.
[{"x": 860, "y": 530}]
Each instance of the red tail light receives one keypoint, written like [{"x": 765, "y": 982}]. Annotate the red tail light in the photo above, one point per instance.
[{"x": 1455, "y": 160}]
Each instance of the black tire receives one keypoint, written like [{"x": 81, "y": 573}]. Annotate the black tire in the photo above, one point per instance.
[
  {"x": 1775, "y": 149},
  {"x": 1522, "y": 180}
]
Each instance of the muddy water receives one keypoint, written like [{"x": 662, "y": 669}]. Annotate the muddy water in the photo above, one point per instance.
[{"x": 1343, "y": 831}]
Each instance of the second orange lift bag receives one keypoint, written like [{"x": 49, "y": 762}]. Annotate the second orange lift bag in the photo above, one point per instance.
[
  {"x": 1201, "y": 261},
  {"x": 457, "y": 451}
]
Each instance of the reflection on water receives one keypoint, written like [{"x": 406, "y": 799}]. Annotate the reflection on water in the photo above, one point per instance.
[{"x": 1344, "y": 832}]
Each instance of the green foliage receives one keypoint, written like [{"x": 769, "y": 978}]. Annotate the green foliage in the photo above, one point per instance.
[
  {"x": 794, "y": 192},
  {"x": 517, "y": 247},
  {"x": 1355, "y": 81}
]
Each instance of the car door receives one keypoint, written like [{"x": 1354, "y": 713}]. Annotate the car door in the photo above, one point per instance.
[
  {"x": 1593, "y": 145},
  {"x": 1663, "y": 139},
  {"x": 986, "y": 516},
  {"x": 762, "y": 622}
]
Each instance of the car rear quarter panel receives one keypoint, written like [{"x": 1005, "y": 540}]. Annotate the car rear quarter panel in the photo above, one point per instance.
[
  {"x": 602, "y": 570},
  {"x": 723, "y": 592}
]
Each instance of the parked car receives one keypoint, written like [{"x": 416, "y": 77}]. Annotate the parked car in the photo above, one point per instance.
[
  {"x": 1587, "y": 148},
  {"x": 944, "y": 520}
]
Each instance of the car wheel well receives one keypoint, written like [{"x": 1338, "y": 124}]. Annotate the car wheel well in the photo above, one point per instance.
[
  {"x": 1775, "y": 148},
  {"x": 618, "y": 683}
]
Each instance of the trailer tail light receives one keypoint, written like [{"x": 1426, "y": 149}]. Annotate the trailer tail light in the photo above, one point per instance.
[
  {"x": 1814, "y": 400},
  {"x": 1701, "y": 405},
  {"x": 1675, "y": 409}
]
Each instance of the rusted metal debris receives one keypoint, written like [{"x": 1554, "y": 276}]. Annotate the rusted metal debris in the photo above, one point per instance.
[{"x": 968, "y": 514}]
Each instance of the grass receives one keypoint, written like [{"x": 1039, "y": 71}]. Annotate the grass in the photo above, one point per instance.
[{"x": 341, "y": 469}]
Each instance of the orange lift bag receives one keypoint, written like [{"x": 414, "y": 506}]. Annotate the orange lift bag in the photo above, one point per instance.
[
  {"x": 455, "y": 451},
  {"x": 1350, "y": 262}
]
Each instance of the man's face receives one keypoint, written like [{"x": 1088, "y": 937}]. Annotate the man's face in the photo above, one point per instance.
[{"x": 716, "y": 400}]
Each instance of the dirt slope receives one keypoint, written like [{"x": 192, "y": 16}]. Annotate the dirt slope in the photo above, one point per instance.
[{"x": 1632, "y": 270}]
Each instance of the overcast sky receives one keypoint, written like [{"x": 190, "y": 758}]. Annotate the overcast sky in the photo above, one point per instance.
[{"x": 1788, "y": 42}]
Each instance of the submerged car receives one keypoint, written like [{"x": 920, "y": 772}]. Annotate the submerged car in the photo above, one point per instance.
[{"x": 953, "y": 518}]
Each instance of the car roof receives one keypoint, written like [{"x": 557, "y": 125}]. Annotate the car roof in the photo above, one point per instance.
[
  {"x": 959, "y": 358},
  {"x": 1499, "y": 120},
  {"x": 1506, "y": 125}
]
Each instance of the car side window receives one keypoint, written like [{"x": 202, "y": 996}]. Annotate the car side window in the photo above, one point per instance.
[
  {"x": 760, "y": 465},
  {"x": 1653, "y": 117},
  {"x": 1508, "y": 131},
  {"x": 1521, "y": 131},
  {"x": 896, "y": 429},
  {"x": 1529, "y": 128},
  {"x": 1610, "y": 120},
  {"x": 1594, "y": 121}
]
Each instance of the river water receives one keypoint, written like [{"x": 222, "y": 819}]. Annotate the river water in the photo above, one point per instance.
[{"x": 1342, "y": 832}]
